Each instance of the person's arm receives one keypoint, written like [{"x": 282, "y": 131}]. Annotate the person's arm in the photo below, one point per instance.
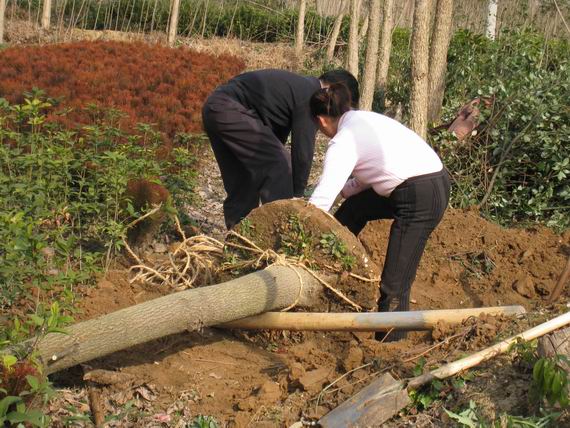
[
  {"x": 340, "y": 161},
  {"x": 352, "y": 187},
  {"x": 303, "y": 131}
]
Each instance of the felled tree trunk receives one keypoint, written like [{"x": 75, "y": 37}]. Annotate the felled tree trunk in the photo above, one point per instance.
[{"x": 274, "y": 288}]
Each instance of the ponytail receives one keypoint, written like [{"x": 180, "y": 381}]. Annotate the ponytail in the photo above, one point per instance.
[{"x": 332, "y": 101}]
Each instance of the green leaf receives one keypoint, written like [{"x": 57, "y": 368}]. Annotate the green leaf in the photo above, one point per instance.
[{"x": 9, "y": 360}]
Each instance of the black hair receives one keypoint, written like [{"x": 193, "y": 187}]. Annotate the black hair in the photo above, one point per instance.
[
  {"x": 345, "y": 77},
  {"x": 333, "y": 101}
]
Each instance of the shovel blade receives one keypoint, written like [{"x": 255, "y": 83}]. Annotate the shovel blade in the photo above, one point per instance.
[{"x": 371, "y": 407}]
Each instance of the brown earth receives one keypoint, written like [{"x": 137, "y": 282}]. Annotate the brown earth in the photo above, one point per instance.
[{"x": 274, "y": 379}]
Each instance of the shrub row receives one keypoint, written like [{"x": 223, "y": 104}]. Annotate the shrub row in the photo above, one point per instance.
[{"x": 148, "y": 83}]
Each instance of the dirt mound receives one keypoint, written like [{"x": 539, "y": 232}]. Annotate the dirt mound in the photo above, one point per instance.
[
  {"x": 312, "y": 236},
  {"x": 471, "y": 262}
]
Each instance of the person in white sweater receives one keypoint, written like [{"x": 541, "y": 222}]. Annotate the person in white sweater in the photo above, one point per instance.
[{"x": 384, "y": 171}]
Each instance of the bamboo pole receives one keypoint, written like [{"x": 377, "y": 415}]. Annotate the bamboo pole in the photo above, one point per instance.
[
  {"x": 370, "y": 321},
  {"x": 273, "y": 288}
]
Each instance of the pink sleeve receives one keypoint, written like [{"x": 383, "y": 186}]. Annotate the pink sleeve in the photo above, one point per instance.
[{"x": 352, "y": 187}]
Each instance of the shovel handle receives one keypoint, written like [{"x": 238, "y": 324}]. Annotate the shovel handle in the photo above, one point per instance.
[{"x": 488, "y": 353}]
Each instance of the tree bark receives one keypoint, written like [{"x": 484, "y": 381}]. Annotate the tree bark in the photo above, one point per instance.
[
  {"x": 352, "y": 55},
  {"x": 438, "y": 57},
  {"x": 299, "y": 38},
  {"x": 46, "y": 14},
  {"x": 2, "y": 13},
  {"x": 369, "y": 78},
  {"x": 335, "y": 32},
  {"x": 274, "y": 288},
  {"x": 364, "y": 29},
  {"x": 173, "y": 24},
  {"x": 491, "y": 27},
  {"x": 385, "y": 47},
  {"x": 420, "y": 64}
]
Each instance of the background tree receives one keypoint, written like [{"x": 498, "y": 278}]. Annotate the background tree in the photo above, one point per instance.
[
  {"x": 369, "y": 78},
  {"x": 364, "y": 29},
  {"x": 46, "y": 14},
  {"x": 2, "y": 10},
  {"x": 491, "y": 27},
  {"x": 173, "y": 24},
  {"x": 438, "y": 57},
  {"x": 300, "y": 30},
  {"x": 385, "y": 47},
  {"x": 352, "y": 55},
  {"x": 419, "y": 68},
  {"x": 335, "y": 32}
]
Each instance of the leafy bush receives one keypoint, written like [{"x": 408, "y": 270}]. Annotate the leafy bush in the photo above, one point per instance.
[
  {"x": 523, "y": 141},
  {"x": 63, "y": 207}
]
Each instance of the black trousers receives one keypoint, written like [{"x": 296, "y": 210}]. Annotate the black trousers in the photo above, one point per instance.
[
  {"x": 253, "y": 162},
  {"x": 416, "y": 206}
]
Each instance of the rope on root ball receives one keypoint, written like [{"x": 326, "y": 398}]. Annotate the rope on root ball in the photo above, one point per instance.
[{"x": 200, "y": 258}]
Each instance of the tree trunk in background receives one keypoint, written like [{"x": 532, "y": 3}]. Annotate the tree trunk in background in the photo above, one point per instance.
[
  {"x": 273, "y": 288},
  {"x": 492, "y": 19},
  {"x": 173, "y": 24},
  {"x": 2, "y": 11},
  {"x": 46, "y": 14},
  {"x": 352, "y": 55},
  {"x": 385, "y": 47},
  {"x": 369, "y": 78},
  {"x": 335, "y": 32},
  {"x": 420, "y": 64},
  {"x": 299, "y": 38},
  {"x": 364, "y": 29},
  {"x": 438, "y": 57}
]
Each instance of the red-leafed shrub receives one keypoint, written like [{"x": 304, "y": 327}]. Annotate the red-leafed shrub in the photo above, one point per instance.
[{"x": 150, "y": 83}]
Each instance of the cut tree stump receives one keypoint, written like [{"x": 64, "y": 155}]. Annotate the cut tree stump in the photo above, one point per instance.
[{"x": 274, "y": 288}]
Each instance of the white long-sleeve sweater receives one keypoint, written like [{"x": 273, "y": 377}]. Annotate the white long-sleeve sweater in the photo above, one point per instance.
[{"x": 377, "y": 151}]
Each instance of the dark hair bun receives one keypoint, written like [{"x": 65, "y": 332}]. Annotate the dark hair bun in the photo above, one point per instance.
[{"x": 334, "y": 101}]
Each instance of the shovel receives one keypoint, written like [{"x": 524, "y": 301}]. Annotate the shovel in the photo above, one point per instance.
[{"x": 385, "y": 396}]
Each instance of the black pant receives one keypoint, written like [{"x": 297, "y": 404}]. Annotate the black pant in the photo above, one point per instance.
[
  {"x": 253, "y": 162},
  {"x": 417, "y": 206}
]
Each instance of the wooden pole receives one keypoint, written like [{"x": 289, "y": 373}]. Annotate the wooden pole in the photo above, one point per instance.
[
  {"x": 385, "y": 397},
  {"x": 173, "y": 23},
  {"x": 370, "y": 321},
  {"x": 273, "y": 288}
]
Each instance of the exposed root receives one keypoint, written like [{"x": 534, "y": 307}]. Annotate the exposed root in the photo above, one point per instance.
[{"x": 198, "y": 259}]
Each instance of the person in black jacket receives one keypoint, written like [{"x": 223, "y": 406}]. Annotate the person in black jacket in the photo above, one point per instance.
[{"x": 248, "y": 121}]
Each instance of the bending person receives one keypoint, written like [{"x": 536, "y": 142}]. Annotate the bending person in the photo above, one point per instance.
[
  {"x": 395, "y": 175},
  {"x": 248, "y": 121}
]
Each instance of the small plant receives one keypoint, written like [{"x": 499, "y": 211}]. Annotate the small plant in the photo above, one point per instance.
[
  {"x": 331, "y": 244},
  {"x": 203, "y": 422},
  {"x": 296, "y": 241},
  {"x": 245, "y": 227},
  {"x": 550, "y": 380}
]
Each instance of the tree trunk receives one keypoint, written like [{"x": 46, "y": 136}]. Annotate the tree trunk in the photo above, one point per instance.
[
  {"x": 274, "y": 288},
  {"x": 364, "y": 29},
  {"x": 420, "y": 64},
  {"x": 438, "y": 57},
  {"x": 173, "y": 24},
  {"x": 369, "y": 78},
  {"x": 385, "y": 47},
  {"x": 491, "y": 28},
  {"x": 335, "y": 32},
  {"x": 299, "y": 38},
  {"x": 352, "y": 55},
  {"x": 46, "y": 14},
  {"x": 2, "y": 12}
]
